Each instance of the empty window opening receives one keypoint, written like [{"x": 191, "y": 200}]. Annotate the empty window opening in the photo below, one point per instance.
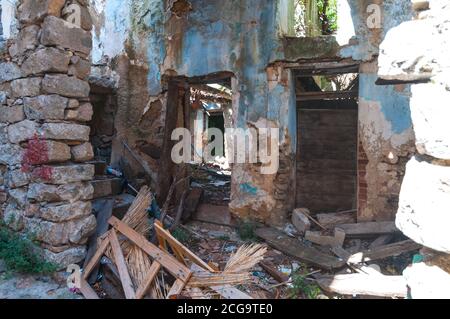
[
  {"x": 327, "y": 179},
  {"x": 315, "y": 17}
]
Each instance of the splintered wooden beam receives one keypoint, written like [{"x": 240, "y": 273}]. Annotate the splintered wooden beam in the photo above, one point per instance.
[
  {"x": 179, "y": 248},
  {"x": 365, "y": 285},
  {"x": 176, "y": 289},
  {"x": 125, "y": 278},
  {"x": 173, "y": 266},
  {"x": 96, "y": 258},
  {"x": 387, "y": 251},
  {"x": 369, "y": 229},
  {"x": 145, "y": 286},
  {"x": 87, "y": 290},
  {"x": 298, "y": 250}
]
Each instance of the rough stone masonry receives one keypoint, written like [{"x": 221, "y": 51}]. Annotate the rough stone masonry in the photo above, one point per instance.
[
  {"x": 45, "y": 188},
  {"x": 417, "y": 51}
]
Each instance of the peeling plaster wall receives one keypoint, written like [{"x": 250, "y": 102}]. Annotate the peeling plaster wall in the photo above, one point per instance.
[
  {"x": 243, "y": 37},
  {"x": 385, "y": 126}
]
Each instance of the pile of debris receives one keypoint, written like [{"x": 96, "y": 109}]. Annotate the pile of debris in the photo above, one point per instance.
[
  {"x": 347, "y": 250},
  {"x": 162, "y": 268}
]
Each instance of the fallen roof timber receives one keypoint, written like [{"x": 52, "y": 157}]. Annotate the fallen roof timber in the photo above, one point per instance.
[
  {"x": 298, "y": 250},
  {"x": 387, "y": 251},
  {"x": 369, "y": 229}
]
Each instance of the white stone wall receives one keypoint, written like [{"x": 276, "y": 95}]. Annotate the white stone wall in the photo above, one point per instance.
[{"x": 417, "y": 52}]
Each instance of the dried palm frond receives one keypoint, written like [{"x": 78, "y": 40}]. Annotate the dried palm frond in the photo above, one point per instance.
[
  {"x": 245, "y": 258},
  {"x": 139, "y": 264},
  {"x": 209, "y": 280}
]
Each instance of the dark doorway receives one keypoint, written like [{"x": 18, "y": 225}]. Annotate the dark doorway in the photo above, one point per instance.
[{"x": 327, "y": 128}]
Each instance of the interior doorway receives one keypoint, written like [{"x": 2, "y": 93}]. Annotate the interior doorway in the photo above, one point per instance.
[{"x": 327, "y": 129}]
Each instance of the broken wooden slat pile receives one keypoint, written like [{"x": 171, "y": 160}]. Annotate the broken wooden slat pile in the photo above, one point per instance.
[
  {"x": 366, "y": 280},
  {"x": 161, "y": 260},
  {"x": 144, "y": 269}
]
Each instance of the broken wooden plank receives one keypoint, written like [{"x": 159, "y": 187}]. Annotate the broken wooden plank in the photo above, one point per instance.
[
  {"x": 275, "y": 274},
  {"x": 87, "y": 290},
  {"x": 319, "y": 239},
  {"x": 231, "y": 293},
  {"x": 96, "y": 258},
  {"x": 176, "y": 289},
  {"x": 150, "y": 277},
  {"x": 330, "y": 221},
  {"x": 119, "y": 259},
  {"x": 103, "y": 215},
  {"x": 297, "y": 249},
  {"x": 383, "y": 252},
  {"x": 381, "y": 241},
  {"x": 368, "y": 229},
  {"x": 173, "y": 242},
  {"x": 172, "y": 265},
  {"x": 365, "y": 285}
]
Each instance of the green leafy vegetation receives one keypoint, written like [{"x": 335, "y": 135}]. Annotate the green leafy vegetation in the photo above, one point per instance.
[
  {"x": 328, "y": 16},
  {"x": 20, "y": 254},
  {"x": 302, "y": 288}
]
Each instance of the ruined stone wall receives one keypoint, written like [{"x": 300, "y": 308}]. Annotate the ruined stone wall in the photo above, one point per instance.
[
  {"x": 44, "y": 142},
  {"x": 417, "y": 51},
  {"x": 386, "y": 138}
]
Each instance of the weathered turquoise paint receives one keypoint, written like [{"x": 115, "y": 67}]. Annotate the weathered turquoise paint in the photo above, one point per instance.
[
  {"x": 394, "y": 105},
  {"x": 249, "y": 189}
]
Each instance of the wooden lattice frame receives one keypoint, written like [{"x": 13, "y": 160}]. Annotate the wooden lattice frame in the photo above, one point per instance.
[{"x": 161, "y": 260}]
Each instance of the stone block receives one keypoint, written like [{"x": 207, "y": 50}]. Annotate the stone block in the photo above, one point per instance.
[
  {"x": 83, "y": 113},
  {"x": 26, "y": 87},
  {"x": 26, "y": 40},
  {"x": 57, "y": 152},
  {"x": 56, "y": 31},
  {"x": 64, "y": 85},
  {"x": 10, "y": 154},
  {"x": 11, "y": 114},
  {"x": 63, "y": 213},
  {"x": 427, "y": 282},
  {"x": 423, "y": 213},
  {"x": 32, "y": 11},
  {"x": 430, "y": 115},
  {"x": 71, "y": 192},
  {"x": 71, "y": 256},
  {"x": 45, "y": 107},
  {"x": 18, "y": 178},
  {"x": 9, "y": 71},
  {"x": 22, "y": 131},
  {"x": 80, "y": 68},
  {"x": 19, "y": 195},
  {"x": 46, "y": 60},
  {"x": 82, "y": 153},
  {"x": 61, "y": 175},
  {"x": 300, "y": 220},
  {"x": 66, "y": 131},
  {"x": 59, "y": 234}
]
